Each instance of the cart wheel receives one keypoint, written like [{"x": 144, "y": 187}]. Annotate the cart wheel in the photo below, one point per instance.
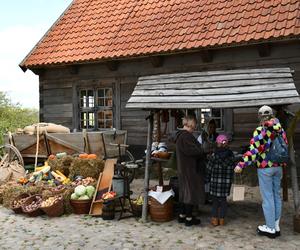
[
  {"x": 128, "y": 157},
  {"x": 9, "y": 153}
]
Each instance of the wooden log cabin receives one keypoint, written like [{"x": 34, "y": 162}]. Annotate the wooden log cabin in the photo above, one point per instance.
[{"x": 91, "y": 59}]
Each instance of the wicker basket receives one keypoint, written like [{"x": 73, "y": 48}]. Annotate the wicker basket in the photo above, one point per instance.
[
  {"x": 35, "y": 212},
  {"x": 81, "y": 206},
  {"x": 56, "y": 192},
  {"x": 18, "y": 210},
  {"x": 56, "y": 210}
]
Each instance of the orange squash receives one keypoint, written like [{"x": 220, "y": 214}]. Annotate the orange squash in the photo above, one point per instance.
[
  {"x": 83, "y": 156},
  {"x": 51, "y": 157},
  {"x": 92, "y": 156}
]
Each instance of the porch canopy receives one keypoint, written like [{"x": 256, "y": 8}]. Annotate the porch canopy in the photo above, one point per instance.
[{"x": 215, "y": 89}]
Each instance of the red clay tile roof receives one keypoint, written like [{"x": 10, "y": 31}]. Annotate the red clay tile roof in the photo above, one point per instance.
[{"x": 93, "y": 30}]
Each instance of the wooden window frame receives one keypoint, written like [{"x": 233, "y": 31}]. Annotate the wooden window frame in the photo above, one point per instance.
[{"x": 95, "y": 108}]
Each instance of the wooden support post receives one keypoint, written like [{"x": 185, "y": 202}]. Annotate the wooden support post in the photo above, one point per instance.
[
  {"x": 147, "y": 166},
  {"x": 87, "y": 148},
  {"x": 284, "y": 183},
  {"x": 47, "y": 145},
  {"x": 293, "y": 166},
  {"x": 158, "y": 138}
]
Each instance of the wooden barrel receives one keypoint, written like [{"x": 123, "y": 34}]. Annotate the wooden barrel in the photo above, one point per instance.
[
  {"x": 108, "y": 210},
  {"x": 161, "y": 212}
]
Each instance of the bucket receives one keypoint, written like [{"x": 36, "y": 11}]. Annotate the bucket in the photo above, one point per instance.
[
  {"x": 118, "y": 185},
  {"x": 296, "y": 223},
  {"x": 81, "y": 206},
  {"x": 108, "y": 210}
]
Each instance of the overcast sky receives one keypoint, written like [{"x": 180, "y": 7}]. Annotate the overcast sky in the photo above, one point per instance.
[{"x": 22, "y": 24}]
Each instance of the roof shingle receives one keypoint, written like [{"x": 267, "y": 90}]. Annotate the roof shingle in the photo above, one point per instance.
[{"x": 92, "y": 30}]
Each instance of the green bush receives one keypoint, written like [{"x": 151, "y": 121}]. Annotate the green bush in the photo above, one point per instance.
[{"x": 13, "y": 116}]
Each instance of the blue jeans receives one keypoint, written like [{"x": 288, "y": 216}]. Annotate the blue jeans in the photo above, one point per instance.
[{"x": 269, "y": 186}]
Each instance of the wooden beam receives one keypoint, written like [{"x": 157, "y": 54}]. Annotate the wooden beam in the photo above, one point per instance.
[
  {"x": 157, "y": 61},
  {"x": 264, "y": 50},
  {"x": 38, "y": 71},
  {"x": 112, "y": 65},
  {"x": 206, "y": 56},
  {"x": 74, "y": 69}
]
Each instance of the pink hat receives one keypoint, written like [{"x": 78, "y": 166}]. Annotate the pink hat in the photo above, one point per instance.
[{"x": 222, "y": 139}]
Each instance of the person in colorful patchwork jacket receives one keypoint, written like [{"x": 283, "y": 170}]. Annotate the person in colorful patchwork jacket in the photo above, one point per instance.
[{"x": 269, "y": 173}]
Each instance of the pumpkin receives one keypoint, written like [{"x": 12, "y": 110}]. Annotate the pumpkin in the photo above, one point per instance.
[
  {"x": 83, "y": 156},
  {"x": 92, "y": 156},
  {"x": 51, "y": 157}
]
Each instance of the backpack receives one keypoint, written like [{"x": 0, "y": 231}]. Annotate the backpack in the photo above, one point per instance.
[{"x": 278, "y": 152}]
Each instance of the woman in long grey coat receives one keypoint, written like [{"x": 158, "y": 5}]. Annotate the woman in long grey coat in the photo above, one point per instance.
[{"x": 190, "y": 167}]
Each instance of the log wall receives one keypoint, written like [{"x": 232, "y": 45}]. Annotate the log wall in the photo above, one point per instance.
[{"x": 59, "y": 86}]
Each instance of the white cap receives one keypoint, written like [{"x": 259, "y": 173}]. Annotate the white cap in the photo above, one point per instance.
[{"x": 265, "y": 111}]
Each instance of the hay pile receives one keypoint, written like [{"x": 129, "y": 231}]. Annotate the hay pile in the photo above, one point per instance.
[
  {"x": 63, "y": 165},
  {"x": 67, "y": 196},
  {"x": 86, "y": 168},
  {"x": 11, "y": 192},
  {"x": 5, "y": 186},
  {"x": 72, "y": 167}
]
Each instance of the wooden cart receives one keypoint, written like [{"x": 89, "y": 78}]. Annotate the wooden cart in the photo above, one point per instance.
[{"x": 25, "y": 145}]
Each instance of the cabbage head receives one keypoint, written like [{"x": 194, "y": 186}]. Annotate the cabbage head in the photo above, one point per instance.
[
  {"x": 80, "y": 190},
  {"x": 84, "y": 197},
  {"x": 90, "y": 191},
  {"x": 74, "y": 196}
]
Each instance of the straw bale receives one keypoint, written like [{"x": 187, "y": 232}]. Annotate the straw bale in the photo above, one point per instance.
[
  {"x": 67, "y": 196},
  {"x": 86, "y": 168},
  {"x": 5, "y": 186},
  {"x": 11, "y": 192},
  {"x": 63, "y": 165}
]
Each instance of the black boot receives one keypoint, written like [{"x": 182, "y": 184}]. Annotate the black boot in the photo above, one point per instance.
[{"x": 190, "y": 221}]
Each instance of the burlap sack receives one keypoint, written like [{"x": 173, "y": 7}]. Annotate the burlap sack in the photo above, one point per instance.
[
  {"x": 5, "y": 173},
  {"x": 45, "y": 127},
  {"x": 17, "y": 171}
]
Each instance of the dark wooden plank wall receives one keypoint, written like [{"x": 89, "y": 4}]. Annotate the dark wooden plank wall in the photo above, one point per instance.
[{"x": 58, "y": 85}]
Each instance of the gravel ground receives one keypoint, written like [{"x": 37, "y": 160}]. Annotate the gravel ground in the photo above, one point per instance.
[{"x": 85, "y": 232}]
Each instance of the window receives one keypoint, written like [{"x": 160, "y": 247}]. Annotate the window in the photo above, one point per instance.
[
  {"x": 203, "y": 115},
  {"x": 96, "y": 108},
  {"x": 216, "y": 114}
]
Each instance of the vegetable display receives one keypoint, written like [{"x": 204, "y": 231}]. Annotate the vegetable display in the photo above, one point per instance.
[
  {"x": 50, "y": 201},
  {"x": 83, "y": 193},
  {"x": 18, "y": 203},
  {"x": 35, "y": 204}
]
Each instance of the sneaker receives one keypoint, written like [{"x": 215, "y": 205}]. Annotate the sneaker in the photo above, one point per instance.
[
  {"x": 266, "y": 231},
  {"x": 181, "y": 218},
  {"x": 277, "y": 228},
  {"x": 192, "y": 221}
]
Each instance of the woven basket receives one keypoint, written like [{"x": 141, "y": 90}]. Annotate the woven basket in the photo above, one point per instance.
[
  {"x": 32, "y": 213},
  {"x": 18, "y": 210},
  {"x": 56, "y": 210},
  {"x": 81, "y": 206},
  {"x": 56, "y": 192}
]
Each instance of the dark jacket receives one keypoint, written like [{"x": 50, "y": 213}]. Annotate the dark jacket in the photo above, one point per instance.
[
  {"x": 220, "y": 169},
  {"x": 190, "y": 167}
]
